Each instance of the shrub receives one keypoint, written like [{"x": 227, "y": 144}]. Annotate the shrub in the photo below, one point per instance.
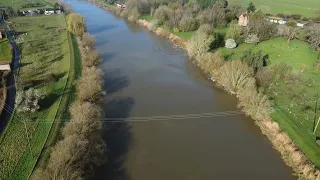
[
  {"x": 85, "y": 120},
  {"x": 252, "y": 39},
  {"x": 206, "y": 16},
  {"x": 268, "y": 78},
  {"x": 230, "y": 44},
  {"x": 235, "y": 76},
  {"x": 76, "y": 24},
  {"x": 205, "y": 29},
  {"x": 74, "y": 158},
  {"x": 210, "y": 62},
  {"x": 162, "y": 14},
  {"x": 91, "y": 58},
  {"x": 90, "y": 85},
  {"x": 28, "y": 101},
  {"x": 134, "y": 8},
  {"x": 176, "y": 30},
  {"x": 175, "y": 18},
  {"x": 199, "y": 44},
  {"x": 314, "y": 36},
  {"x": 153, "y": 24},
  {"x": 263, "y": 29},
  {"x": 87, "y": 41},
  {"x": 255, "y": 60},
  {"x": 188, "y": 23},
  {"x": 234, "y": 31},
  {"x": 291, "y": 23},
  {"x": 41, "y": 25},
  {"x": 219, "y": 10},
  {"x": 133, "y": 15},
  {"x": 254, "y": 103}
]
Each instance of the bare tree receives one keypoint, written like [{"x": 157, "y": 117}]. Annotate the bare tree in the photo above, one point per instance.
[
  {"x": 91, "y": 58},
  {"x": 87, "y": 41},
  {"x": 85, "y": 120},
  {"x": 314, "y": 36},
  {"x": 199, "y": 44},
  {"x": 235, "y": 75},
  {"x": 90, "y": 85}
]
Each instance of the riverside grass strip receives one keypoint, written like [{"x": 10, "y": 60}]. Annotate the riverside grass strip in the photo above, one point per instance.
[{"x": 45, "y": 52}]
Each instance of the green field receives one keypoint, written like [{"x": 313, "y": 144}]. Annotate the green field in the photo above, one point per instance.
[
  {"x": 16, "y": 4},
  {"x": 296, "y": 53},
  {"x": 45, "y": 53},
  {"x": 304, "y": 7},
  {"x": 5, "y": 50}
]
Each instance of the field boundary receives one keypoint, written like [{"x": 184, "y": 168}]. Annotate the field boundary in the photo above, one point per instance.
[{"x": 63, "y": 98}]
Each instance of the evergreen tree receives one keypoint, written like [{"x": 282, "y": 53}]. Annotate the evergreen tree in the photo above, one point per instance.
[{"x": 251, "y": 7}]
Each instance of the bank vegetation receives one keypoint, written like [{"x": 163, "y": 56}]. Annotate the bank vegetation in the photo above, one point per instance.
[{"x": 81, "y": 149}]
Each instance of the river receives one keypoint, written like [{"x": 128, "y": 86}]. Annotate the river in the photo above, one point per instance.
[{"x": 145, "y": 77}]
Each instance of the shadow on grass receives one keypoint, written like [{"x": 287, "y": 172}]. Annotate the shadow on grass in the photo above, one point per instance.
[
  {"x": 24, "y": 64},
  {"x": 49, "y": 78},
  {"x": 118, "y": 139},
  {"x": 49, "y": 100}
]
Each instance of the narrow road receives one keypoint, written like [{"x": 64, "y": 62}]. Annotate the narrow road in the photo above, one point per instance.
[{"x": 8, "y": 108}]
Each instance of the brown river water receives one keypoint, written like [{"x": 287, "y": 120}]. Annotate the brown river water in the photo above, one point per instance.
[{"x": 146, "y": 77}]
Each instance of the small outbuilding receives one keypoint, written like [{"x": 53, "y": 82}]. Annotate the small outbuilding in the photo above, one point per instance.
[{"x": 243, "y": 19}]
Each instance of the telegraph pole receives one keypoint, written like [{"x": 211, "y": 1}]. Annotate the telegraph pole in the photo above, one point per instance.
[{"x": 315, "y": 113}]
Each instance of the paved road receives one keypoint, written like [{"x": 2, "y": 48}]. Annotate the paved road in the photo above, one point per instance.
[{"x": 8, "y": 109}]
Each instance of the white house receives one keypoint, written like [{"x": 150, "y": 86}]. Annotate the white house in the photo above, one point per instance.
[
  {"x": 282, "y": 21},
  {"x": 49, "y": 11},
  {"x": 300, "y": 25},
  {"x": 58, "y": 11},
  {"x": 122, "y": 6},
  {"x": 5, "y": 67}
]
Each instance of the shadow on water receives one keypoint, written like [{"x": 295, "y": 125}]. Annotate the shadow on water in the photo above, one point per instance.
[
  {"x": 99, "y": 29},
  {"x": 107, "y": 56},
  {"x": 133, "y": 27},
  {"x": 118, "y": 139},
  {"x": 114, "y": 82}
]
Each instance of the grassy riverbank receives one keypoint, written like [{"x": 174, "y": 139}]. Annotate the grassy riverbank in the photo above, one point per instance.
[{"x": 45, "y": 64}]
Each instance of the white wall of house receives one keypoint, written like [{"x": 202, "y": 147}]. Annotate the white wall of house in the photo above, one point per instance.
[{"x": 5, "y": 67}]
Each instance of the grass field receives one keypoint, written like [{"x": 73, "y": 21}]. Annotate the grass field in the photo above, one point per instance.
[
  {"x": 5, "y": 50},
  {"x": 16, "y": 4},
  {"x": 296, "y": 53},
  {"x": 45, "y": 53},
  {"x": 304, "y": 7}
]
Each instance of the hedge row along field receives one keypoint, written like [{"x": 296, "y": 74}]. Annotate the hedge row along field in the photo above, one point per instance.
[{"x": 81, "y": 149}]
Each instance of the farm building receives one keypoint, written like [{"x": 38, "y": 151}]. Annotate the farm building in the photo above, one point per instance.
[
  {"x": 121, "y": 6},
  {"x": 243, "y": 19},
  {"x": 5, "y": 66}
]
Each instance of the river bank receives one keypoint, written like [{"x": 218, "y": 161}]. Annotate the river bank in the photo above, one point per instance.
[{"x": 292, "y": 156}]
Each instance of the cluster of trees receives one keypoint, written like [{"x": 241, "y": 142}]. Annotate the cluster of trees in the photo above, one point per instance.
[
  {"x": 82, "y": 148},
  {"x": 182, "y": 15},
  {"x": 28, "y": 101},
  {"x": 30, "y": 5}
]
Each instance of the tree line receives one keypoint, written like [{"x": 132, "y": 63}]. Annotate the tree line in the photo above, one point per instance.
[{"x": 81, "y": 149}]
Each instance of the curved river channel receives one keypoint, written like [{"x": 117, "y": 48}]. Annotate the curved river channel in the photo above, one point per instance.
[{"x": 171, "y": 129}]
